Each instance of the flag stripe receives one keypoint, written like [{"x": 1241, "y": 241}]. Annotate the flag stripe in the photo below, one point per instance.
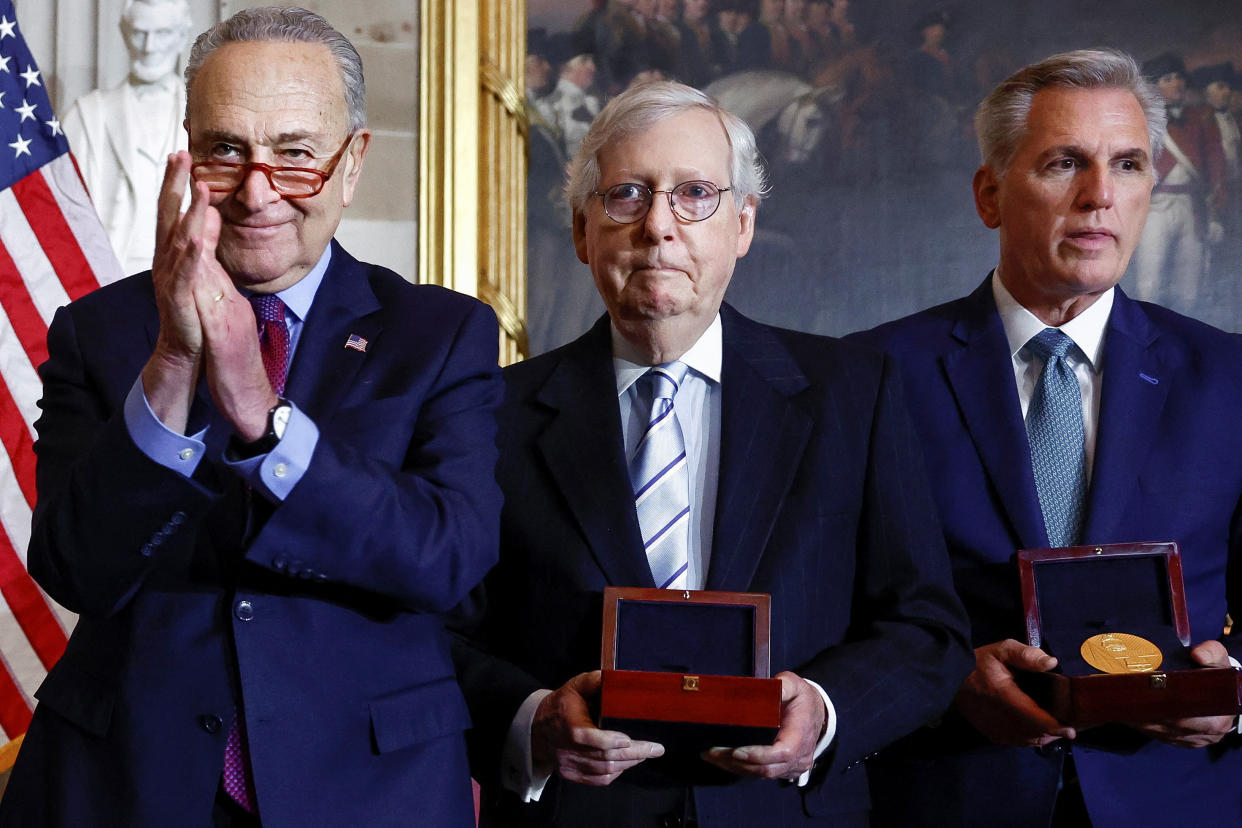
[
  {"x": 75, "y": 204},
  {"x": 29, "y": 607},
  {"x": 33, "y": 266},
  {"x": 18, "y": 373},
  {"x": 53, "y": 232},
  {"x": 15, "y": 436},
  {"x": 15, "y": 711},
  {"x": 28, "y": 323}
]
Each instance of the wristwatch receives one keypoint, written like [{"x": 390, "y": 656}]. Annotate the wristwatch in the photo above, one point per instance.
[{"x": 277, "y": 420}]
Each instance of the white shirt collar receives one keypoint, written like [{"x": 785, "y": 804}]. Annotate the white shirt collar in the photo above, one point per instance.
[
  {"x": 1086, "y": 329},
  {"x": 704, "y": 357}
]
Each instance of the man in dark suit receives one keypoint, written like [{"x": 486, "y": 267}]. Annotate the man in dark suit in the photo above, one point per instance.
[
  {"x": 1151, "y": 452},
  {"x": 797, "y": 476},
  {"x": 260, "y": 557}
]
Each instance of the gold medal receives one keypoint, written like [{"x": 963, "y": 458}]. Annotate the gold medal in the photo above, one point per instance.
[{"x": 1116, "y": 652}]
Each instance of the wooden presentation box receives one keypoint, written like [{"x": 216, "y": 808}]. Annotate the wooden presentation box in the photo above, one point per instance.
[
  {"x": 1073, "y": 593},
  {"x": 688, "y": 669}
]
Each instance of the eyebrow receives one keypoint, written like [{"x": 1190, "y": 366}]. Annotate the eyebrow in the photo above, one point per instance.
[
  {"x": 1076, "y": 151},
  {"x": 283, "y": 138}
]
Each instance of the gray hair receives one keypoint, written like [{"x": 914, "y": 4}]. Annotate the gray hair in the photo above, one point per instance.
[
  {"x": 292, "y": 25},
  {"x": 637, "y": 110},
  {"x": 1000, "y": 121}
]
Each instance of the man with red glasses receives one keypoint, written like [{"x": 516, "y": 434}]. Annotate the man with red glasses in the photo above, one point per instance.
[
  {"x": 678, "y": 444},
  {"x": 265, "y": 470}
]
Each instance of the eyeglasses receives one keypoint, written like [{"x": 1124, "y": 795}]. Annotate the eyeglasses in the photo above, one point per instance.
[
  {"x": 689, "y": 201},
  {"x": 290, "y": 182}
]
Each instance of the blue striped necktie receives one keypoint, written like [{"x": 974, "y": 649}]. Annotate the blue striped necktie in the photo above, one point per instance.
[
  {"x": 1054, "y": 428},
  {"x": 661, "y": 480}
]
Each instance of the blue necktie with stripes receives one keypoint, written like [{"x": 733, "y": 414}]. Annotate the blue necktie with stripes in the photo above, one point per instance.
[
  {"x": 1054, "y": 427},
  {"x": 661, "y": 480}
]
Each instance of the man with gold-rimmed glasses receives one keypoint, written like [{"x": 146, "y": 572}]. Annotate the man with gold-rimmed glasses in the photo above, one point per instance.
[
  {"x": 678, "y": 444},
  {"x": 265, "y": 469}
]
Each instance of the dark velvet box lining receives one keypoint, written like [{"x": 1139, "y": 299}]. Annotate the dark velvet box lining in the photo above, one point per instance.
[
  {"x": 705, "y": 639},
  {"x": 1083, "y": 597}
]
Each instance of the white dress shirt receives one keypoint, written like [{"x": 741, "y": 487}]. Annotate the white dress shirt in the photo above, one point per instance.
[{"x": 1087, "y": 331}]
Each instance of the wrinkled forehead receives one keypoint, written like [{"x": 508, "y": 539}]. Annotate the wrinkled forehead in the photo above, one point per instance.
[{"x": 268, "y": 88}]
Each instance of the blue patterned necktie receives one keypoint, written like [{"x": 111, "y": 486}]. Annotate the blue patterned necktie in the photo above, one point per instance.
[
  {"x": 1054, "y": 427},
  {"x": 661, "y": 480}
]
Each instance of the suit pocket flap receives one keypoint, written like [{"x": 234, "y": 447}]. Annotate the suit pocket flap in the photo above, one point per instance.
[
  {"x": 84, "y": 701},
  {"x": 418, "y": 714}
]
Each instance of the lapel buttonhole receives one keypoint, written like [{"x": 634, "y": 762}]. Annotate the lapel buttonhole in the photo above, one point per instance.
[{"x": 1151, "y": 380}]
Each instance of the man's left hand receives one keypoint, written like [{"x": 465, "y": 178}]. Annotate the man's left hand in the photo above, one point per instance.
[
  {"x": 793, "y": 752},
  {"x": 234, "y": 362},
  {"x": 1203, "y": 730}
]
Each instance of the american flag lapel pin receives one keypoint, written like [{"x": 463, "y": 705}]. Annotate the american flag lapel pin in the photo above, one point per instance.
[{"x": 357, "y": 343}]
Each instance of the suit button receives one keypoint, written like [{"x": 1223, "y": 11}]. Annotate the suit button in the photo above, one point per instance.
[
  {"x": 670, "y": 821},
  {"x": 146, "y": 550},
  {"x": 279, "y": 563},
  {"x": 244, "y": 610},
  {"x": 210, "y": 723},
  {"x": 177, "y": 518}
]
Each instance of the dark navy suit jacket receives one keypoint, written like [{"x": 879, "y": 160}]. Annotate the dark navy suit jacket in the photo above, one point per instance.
[
  {"x": 1168, "y": 466},
  {"x": 821, "y": 503},
  {"x": 351, "y": 709}
]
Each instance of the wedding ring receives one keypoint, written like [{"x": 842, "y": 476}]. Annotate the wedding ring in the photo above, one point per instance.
[{"x": 219, "y": 296}]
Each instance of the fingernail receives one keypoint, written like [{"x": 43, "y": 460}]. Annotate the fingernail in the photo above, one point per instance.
[{"x": 741, "y": 755}]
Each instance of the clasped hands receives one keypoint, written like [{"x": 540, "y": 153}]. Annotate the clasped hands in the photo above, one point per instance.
[
  {"x": 991, "y": 700},
  {"x": 565, "y": 740},
  {"x": 206, "y": 325}
]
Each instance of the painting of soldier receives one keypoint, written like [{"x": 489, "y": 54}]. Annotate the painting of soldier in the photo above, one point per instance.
[{"x": 864, "y": 116}]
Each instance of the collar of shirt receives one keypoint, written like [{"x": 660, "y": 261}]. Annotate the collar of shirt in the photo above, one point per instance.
[
  {"x": 300, "y": 295},
  {"x": 704, "y": 357},
  {"x": 1086, "y": 329}
]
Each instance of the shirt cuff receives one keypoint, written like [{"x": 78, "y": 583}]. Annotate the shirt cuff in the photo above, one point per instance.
[
  {"x": 517, "y": 771},
  {"x": 276, "y": 473},
  {"x": 178, "y": 452},
  {"x": 1237, "y": 722},
  {"x": 830, "y": 730}
]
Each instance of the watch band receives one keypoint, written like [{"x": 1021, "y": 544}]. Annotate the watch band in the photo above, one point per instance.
[{"x": 277, "y": 419}]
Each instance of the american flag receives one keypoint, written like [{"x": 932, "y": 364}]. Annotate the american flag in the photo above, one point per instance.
[{"x": 52, "y": 250}]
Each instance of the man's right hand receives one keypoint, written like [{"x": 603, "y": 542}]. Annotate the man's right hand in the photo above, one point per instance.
[
  {"x": 991, "y": 701},
  {"x": 565, "y": 740},
  {"x": 186, "y": 274}
]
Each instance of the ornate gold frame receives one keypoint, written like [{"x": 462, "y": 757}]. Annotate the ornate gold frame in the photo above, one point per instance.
[{"x": 472, "y": 157}]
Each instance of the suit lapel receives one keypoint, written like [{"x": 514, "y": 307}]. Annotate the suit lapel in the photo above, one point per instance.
[
  {"x": 583, "y": 450},
  {"x": 1136, "y": 384},
  {"x": 763, "y": 434},
  {"x": 323, "y": 369},
  {"x": 981, "y": 376}
]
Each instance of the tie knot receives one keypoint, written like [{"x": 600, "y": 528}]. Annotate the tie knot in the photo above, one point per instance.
[
  {"x": 1050, "y": 343},
  {"x": 268, "y": 307},
  {"x": 666, "y": 379}
]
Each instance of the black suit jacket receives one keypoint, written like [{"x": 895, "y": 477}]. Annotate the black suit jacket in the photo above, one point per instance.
[
  {"x": 821, "y": 503},
  {"x": 1168, "y": 466},
  {"x": 340, "y": 656}
]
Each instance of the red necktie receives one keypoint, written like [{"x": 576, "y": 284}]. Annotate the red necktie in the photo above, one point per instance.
[{"x": 269, "y": 311}]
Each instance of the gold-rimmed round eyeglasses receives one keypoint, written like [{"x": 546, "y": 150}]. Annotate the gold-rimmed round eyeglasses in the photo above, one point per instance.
[{"x": 690, "y": 200}]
